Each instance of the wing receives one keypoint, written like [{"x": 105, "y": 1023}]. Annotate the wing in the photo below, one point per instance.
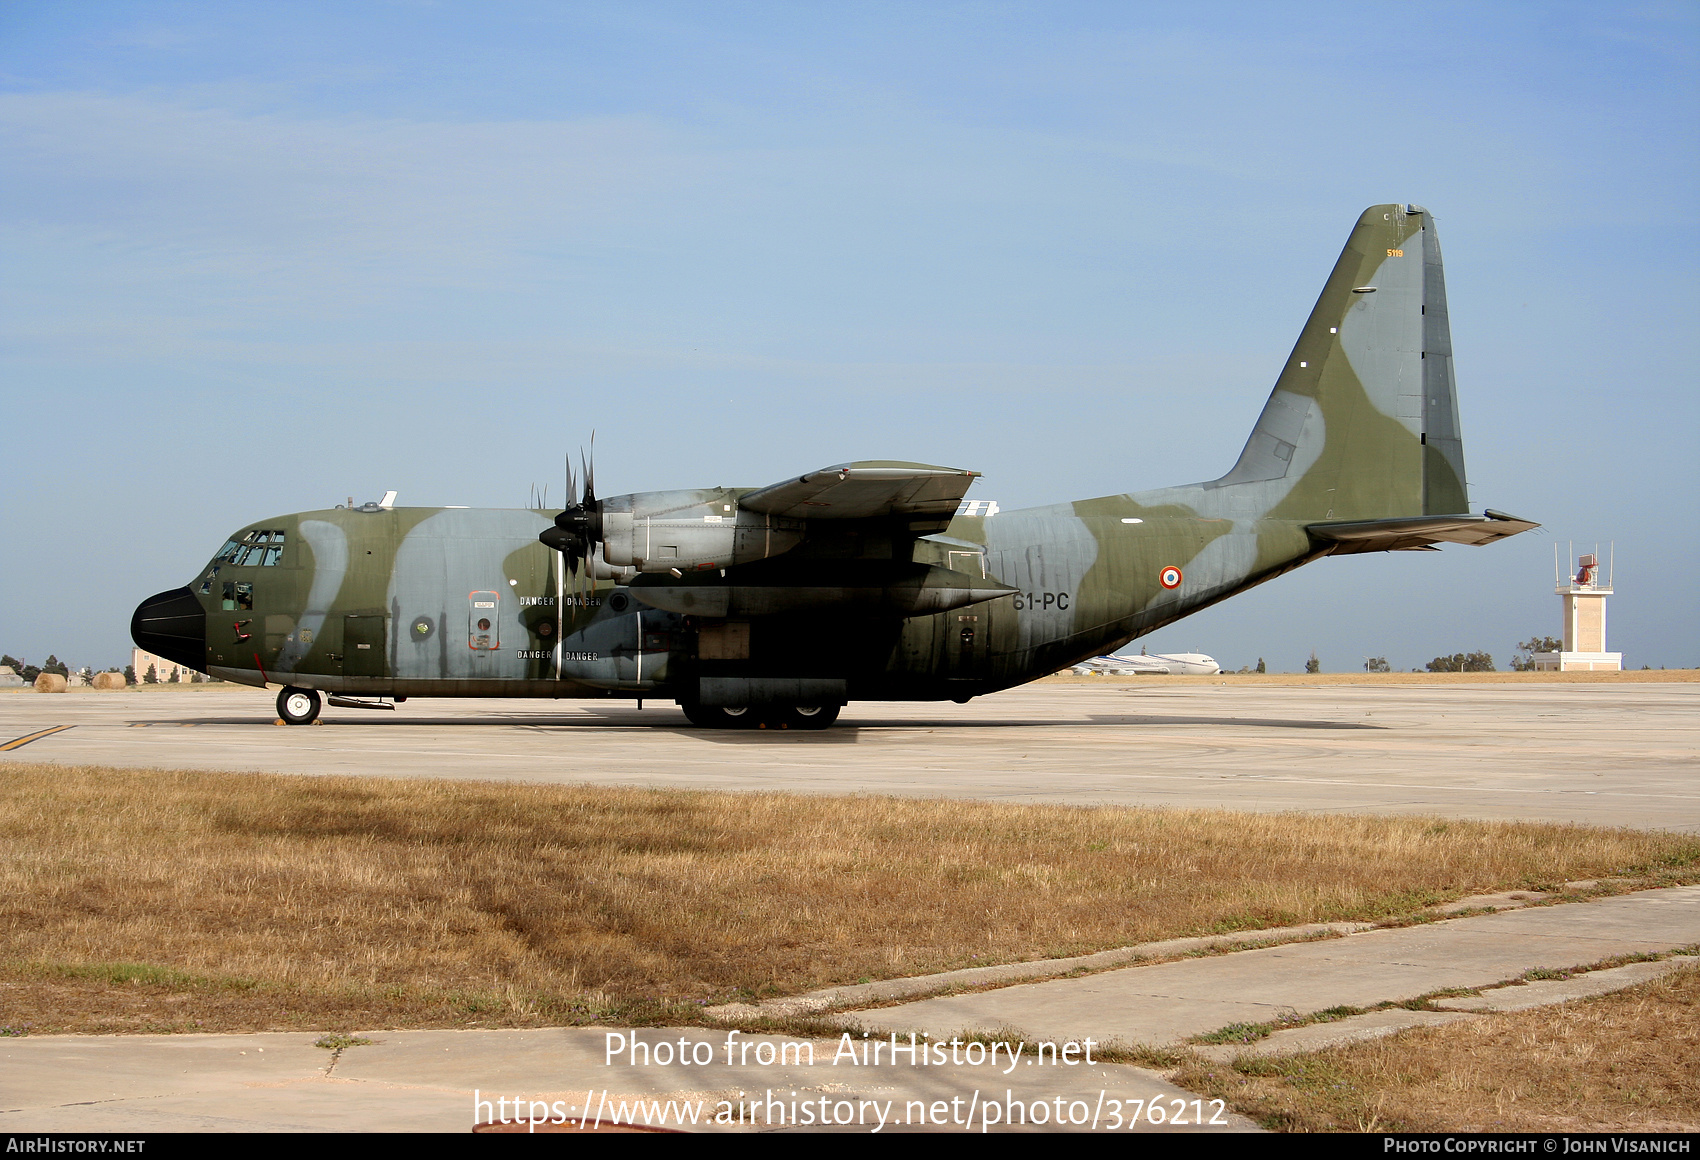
[
  {"x": 859, "y": 491},
  {"x": 848, "y": 559}
]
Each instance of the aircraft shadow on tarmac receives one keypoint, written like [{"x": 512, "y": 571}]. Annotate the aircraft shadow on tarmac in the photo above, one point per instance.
[
  {"x": 1263, "y": 722},
  {"x": 843, "y": 733}
]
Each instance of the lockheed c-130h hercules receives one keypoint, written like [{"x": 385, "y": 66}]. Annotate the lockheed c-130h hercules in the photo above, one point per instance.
[{"x": 864, "y": 581}]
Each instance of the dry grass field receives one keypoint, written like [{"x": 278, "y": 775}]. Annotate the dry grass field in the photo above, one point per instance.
[
  {"x": 153, "y": 901},
  {"x": 1629, "y": 1061}
]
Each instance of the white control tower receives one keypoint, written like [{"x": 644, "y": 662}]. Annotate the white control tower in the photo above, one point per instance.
[{"x": 1584, "y": 597}]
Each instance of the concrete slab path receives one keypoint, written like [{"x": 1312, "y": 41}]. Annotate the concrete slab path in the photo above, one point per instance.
[{"x": 1168, "y": 1002}]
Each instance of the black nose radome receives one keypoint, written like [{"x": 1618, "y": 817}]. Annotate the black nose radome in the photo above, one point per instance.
[{"x": 172, "y": 625}]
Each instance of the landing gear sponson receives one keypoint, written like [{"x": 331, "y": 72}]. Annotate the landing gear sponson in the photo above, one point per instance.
[{"x": 297, "y": 706}]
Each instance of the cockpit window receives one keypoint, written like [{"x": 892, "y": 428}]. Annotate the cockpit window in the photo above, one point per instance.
[{"x": 261, "y": 548}]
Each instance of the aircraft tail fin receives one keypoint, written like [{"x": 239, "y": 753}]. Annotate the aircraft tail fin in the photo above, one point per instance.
[{"x": 1363, "y": 421}]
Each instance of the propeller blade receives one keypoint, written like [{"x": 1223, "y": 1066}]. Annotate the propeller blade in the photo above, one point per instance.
[{"x": 578, "y": 528}]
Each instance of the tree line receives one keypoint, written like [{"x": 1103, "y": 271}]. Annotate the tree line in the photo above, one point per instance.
[{"x": 86, "y": 674}]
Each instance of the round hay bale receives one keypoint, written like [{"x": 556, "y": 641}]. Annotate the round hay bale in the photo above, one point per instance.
[
  {"x": 50, "y": 683},
  {"x": 109, "y": 681}
]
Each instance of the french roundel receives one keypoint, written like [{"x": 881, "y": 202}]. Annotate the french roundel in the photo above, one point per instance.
[{"x": 1169, "y": 577}]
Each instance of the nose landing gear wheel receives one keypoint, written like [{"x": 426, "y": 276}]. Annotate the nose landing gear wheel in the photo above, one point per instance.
[{"x": 298, "y": 706}]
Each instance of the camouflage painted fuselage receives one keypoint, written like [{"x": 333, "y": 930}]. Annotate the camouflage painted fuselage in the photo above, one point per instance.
[{"x": 1357, "y": 449}]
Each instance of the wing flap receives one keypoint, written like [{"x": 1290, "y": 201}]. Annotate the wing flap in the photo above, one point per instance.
[
  {"x": 858, "y": 491},
  {"x": 1414, "y": 533}
]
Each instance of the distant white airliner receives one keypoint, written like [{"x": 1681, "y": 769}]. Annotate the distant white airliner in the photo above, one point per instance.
[{"x": 1174, "y": 664}]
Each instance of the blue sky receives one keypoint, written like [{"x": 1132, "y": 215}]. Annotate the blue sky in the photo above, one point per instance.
[{"x": 262, "y": 257}]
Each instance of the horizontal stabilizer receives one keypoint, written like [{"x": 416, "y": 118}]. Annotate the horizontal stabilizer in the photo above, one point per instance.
[
  {"x": 1416, "y": 532},
  {"x": 859, "y": 491}
]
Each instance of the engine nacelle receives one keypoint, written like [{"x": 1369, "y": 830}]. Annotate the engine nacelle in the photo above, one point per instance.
[{"x": 665, "y": 531}]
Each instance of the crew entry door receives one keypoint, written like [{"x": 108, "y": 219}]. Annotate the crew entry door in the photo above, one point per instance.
[{"x": 363, "y": 646}]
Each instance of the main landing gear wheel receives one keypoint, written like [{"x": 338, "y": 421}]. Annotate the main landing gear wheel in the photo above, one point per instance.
[
  {"x": 765, "y": 717},
  {"x": 719, "y": 716},
  {"x": 298, "y": 706},
  {"x": 802, "y": 716}
]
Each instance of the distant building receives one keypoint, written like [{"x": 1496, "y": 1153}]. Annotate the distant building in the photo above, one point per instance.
[
  {"x": 1584, "y": 600},
  {"x": 162, "y": 668}
]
